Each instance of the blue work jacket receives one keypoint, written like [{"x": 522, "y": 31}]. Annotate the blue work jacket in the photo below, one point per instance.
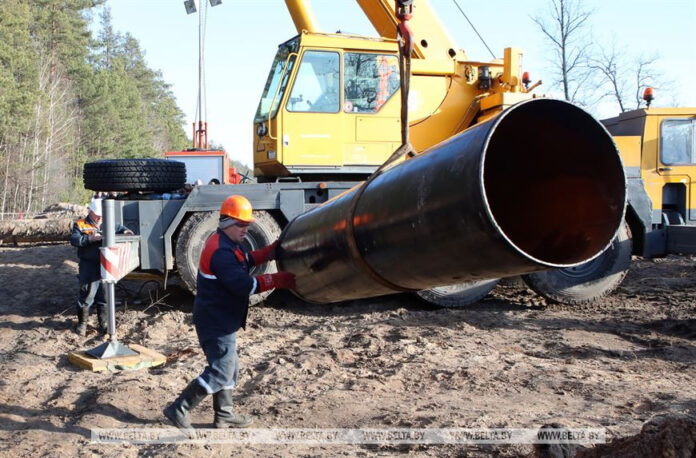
[{"x": 223, "y": 286}]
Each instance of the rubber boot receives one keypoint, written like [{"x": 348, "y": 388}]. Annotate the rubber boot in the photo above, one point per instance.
[
  {"x": 224, "y": 412},
  {"x": 102, "y": 319},
  {"x": 82, "y": 317},
  {"x": 178, "y": 411}
]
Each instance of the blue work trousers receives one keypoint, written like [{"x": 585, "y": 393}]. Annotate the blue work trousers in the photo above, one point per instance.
[
  {"x": 91, "y": 293},
  {"x": 222, "y": 370}
]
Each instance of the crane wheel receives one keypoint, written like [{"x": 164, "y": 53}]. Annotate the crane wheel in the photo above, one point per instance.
[
  {"x": 589, "y": 281},
  {"x": 200, "y": 225},
  {"x": 458, "y": 295}
]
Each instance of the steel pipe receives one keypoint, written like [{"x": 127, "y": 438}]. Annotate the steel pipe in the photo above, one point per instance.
[{"x": 539, "y": 186}]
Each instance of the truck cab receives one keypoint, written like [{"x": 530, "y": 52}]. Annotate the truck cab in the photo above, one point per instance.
[
  {"x": 206, "y": 166},
  {"x": 666, "y": 158},
  {"x": 658, "y": 146}
]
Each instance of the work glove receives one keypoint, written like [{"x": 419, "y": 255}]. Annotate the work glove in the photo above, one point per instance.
[
  {"x": 263, "y": 255},
  {"x": 283, "y": 280}
]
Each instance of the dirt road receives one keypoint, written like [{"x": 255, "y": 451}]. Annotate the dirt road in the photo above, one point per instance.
[{"x": 509, "y": 361}]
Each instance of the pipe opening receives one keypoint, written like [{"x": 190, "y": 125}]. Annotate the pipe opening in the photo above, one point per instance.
[{"x": 554, "y": 182}]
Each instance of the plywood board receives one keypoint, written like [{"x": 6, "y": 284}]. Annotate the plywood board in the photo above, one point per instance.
[{"x": 145, "y": 358}]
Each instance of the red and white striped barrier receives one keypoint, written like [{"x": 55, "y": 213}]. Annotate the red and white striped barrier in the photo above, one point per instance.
[{"x": 115, "y": 262}]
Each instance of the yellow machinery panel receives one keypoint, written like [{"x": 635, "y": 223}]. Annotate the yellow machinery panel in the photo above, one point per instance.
[
  {"x": 375, "y": 139},
  {"x": 312, "y": 139},
  {"x": 374, "y": 129},
  {"x": 367, "y": 153},
  {"x": 629, "y": 147}
]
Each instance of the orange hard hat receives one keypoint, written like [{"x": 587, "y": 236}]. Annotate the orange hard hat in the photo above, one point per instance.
[{"x": 237, "y": 207}]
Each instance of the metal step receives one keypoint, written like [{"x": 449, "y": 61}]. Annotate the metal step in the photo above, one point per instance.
[{"x": 681, "y": 239}]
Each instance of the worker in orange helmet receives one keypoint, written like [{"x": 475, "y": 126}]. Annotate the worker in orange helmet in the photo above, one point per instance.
[{"x": 220, "y": 310}]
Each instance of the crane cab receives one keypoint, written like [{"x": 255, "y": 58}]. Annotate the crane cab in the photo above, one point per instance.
[{"x": 328, "y": 111}]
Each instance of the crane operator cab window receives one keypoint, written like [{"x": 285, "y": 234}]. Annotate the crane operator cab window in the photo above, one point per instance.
[
  {"x": 317, "y": 85},
  {"x": 370, "y": 80},
  {"x": 678, "y": 142},
  {"x": 277, "y": 80}
]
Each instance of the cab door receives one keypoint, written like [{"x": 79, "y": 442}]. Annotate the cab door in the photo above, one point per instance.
[
  {"x": 677, "y": 166},
  {"x": 371, "y": 106},
  {"x": 312, "y": 130}
]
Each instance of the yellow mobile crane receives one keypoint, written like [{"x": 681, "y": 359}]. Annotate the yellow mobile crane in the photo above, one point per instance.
[
  {"x": 450, "y": 94},
  {"x": 329, "y": 107}
]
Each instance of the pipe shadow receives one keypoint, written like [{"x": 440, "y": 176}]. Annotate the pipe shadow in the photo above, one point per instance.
[
  {"x": 654, "y": 337},
  {"x": 652, "y": 349},
  {"x": 283, "y": 299}
]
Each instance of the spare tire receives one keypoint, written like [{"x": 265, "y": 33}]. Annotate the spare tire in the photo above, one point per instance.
[{"x": 158, "y": 175}]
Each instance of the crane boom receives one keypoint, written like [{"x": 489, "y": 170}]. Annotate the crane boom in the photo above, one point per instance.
[
  {"x": 432, "y": 41},
  {"x": 302, "y": 15}
]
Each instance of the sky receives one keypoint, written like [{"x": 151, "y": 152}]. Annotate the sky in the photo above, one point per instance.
[{"x": 242, "y": 37}]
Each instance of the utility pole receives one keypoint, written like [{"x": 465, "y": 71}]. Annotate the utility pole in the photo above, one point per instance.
[{"x": 200, "y": 134}]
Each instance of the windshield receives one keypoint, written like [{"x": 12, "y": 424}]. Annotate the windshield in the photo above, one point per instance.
[{"x": 274, "y": 83}]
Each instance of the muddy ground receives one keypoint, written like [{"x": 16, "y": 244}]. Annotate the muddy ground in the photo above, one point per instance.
[{"x": 509, "y": 361}]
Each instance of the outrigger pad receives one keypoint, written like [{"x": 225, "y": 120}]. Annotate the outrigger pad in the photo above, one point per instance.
[
  {"x": 144, "y": 357},
  {"x": 111, "y": 349}
]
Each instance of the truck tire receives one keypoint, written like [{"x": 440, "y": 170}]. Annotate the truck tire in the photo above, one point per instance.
[
  {"x": 201, "y": 225},
  {"x": 459, "y": 295},
  {"x": 158, "y": 175},
  {"x": 589, "y": 281}
]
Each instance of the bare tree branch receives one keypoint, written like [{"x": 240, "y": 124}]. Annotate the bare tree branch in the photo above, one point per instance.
[
  {"x": 563, "y": 28},
  {"x": 645, "y": 75},
  {"x": 623, "y": 78},
  {"x": 610, "y": 65}
]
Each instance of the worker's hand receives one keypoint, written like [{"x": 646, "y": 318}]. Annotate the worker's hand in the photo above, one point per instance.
[
  {"x": 263, "y": 255},
  {"x": 282, "y": 280},
  {"x": 95, "y": 237},
  {"x": 127, "y": 232}
]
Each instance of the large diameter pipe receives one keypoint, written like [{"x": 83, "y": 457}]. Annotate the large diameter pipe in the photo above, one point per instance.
[{"x": 539, "y": 186}]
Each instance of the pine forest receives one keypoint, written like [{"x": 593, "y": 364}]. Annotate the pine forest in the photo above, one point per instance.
[{"x": 72, "y": 92}]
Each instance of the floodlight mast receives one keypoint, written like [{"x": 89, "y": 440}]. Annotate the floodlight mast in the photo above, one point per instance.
[
  {"x": 190, "y": 6},
  {"x": 200, "y": 134}
]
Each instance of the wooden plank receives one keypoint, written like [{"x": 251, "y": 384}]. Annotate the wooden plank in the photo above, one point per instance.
[{"x": 145, "y": 358}]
